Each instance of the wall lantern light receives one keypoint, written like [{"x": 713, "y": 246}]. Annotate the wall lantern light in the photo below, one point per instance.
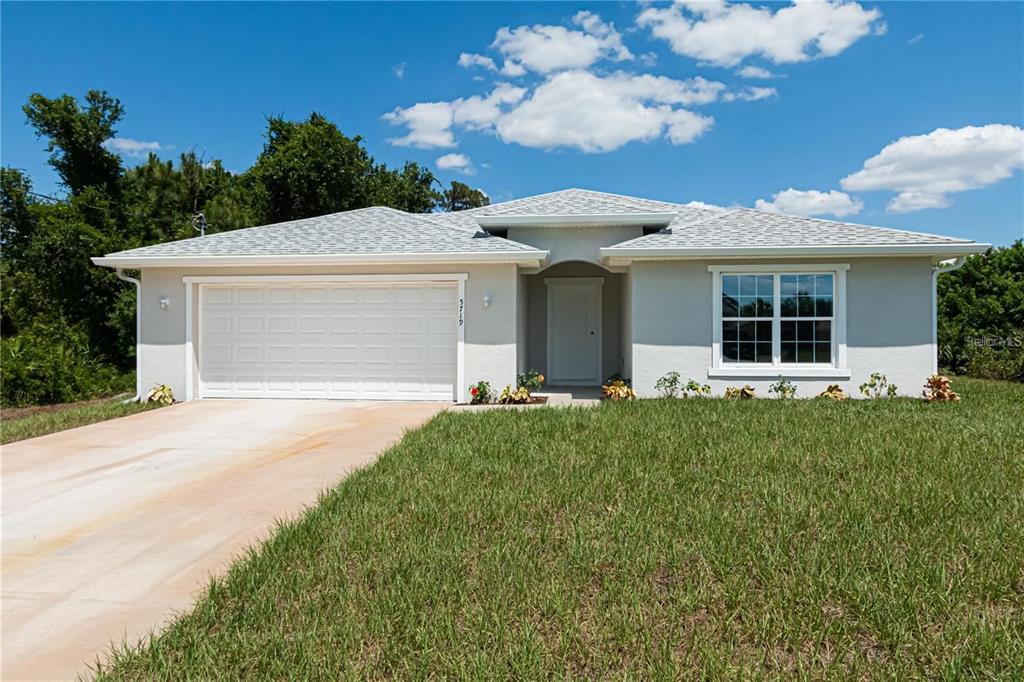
[
  {"x": 487, "y": 300},
  {"x": 164, "y": 302}
]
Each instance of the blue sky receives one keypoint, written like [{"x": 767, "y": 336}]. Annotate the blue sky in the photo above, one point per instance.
[{"x": 654, "y": 101}]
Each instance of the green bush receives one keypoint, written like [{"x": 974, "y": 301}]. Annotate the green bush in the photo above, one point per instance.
[
  {"x": 981, "y": 315},
  {"x": 51, "y": 362}
]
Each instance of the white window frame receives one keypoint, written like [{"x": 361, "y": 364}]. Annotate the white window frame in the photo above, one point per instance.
[{"x": 837, "y": 369}]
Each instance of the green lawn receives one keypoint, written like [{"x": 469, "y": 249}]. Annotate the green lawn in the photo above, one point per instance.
[
  {"x": 664, "y": 538},
  {"x": 25, "y": 423}
]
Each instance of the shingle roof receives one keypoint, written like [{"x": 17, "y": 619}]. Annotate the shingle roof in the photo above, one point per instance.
[
  {"x": 362, "y": 231},
  {"x": 370, "y": 231},
  {"x": 750, "y": 228},
  {"x": 586, "y": 202}
]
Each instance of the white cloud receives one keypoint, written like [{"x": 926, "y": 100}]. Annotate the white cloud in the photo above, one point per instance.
[
  {"x": 649, "y": 59},
  {"x": 749, "y": 94},
  {"x": 468, "y": 60},
  {"x": 725, "y": 34},
  {"x": 599, "y": 114},
  {"x": 705, "y": 206},
  {"x": 925, "y": 169},
  {"x": 456, "y": 162},
  {"x": 569, "y": 109},
  {"x": 916, "y": 39},
  {"x": 544, "y": 49},
  {"x": 399, "y": 70},
  {"x": 430, "y": 123},
  {"x": 755, "y": 72},
  {"x": 811, "y": 202},
  {"x": 126, "y": 146}
]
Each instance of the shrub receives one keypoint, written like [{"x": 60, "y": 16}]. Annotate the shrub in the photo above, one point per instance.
[
  {"x": 668, "y": 385},
  {"x": 532, "y": 380},
  {"x": 617, "y": 390},
  {"x": 48, "y": 363},
  {"x": 833, "y": 392},
  {"x": 160, "y": 394},
  {"x": 480, "y": 393},
  {"x": 783, "y": 388},
  {"x": 735, "y": 393},
  {"x": 514, "y": 396},
  {"x": 1004, "y": 361},
  {"x": 878, "y": 386},
  {"x": 981, "y": 315},
  {"x": 938, "y": 390},
  {"x": 696, "y": 389}
]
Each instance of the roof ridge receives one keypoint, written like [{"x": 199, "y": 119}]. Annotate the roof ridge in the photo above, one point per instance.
[{"x": 625, "y": 196}]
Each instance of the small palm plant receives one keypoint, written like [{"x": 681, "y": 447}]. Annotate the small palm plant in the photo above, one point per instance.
[
  {"x": 878, "y": 386},
  {"x": 783, "y": 388}
]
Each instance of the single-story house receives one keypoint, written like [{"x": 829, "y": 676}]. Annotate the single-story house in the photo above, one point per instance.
[{"x": 580, "y": 285}]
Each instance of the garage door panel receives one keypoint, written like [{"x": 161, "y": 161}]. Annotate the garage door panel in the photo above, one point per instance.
[
  {"x": 249, "y": 353},
  {"x": 281, "y": 295},
  {"x": 278, "y": 324},
  {"x": 337, "y": 340},
  {"x": 378, "y": 295},
  {"x": 249, "y": 296},
  {"x": 277, "y": 353}
]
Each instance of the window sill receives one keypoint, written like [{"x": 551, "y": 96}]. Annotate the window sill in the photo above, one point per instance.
[{"x": 761, "y": 372}]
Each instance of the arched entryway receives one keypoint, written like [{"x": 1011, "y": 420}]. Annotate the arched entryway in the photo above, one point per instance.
[{"x": 573, "y": 324}]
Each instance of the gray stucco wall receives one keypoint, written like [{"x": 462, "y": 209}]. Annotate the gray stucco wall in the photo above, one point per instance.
[
  {"x": 611, "y": 315},
  {"x": 490, "y": 345},
  {"x": 573, "y": 243},
  {"x": 888, "y": 314}
]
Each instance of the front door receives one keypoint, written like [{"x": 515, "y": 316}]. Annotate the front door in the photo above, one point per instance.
[{"x": 574, "y": 330}]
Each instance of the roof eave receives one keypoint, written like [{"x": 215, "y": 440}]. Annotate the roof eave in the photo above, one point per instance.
[
  {"x": 601, "y": 219},
  {"x": 535, "y": 257},
  {"x": 616, "y": 255}
]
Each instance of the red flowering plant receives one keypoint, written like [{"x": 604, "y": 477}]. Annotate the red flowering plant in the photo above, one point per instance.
[{"x": 480, "y": 393}]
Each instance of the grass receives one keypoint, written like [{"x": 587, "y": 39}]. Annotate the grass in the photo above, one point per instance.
[
  {"x": 21, "y": 423},
  {"x": 658, "y": 539}
]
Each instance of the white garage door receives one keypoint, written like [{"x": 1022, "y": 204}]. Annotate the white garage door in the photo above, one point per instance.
[{"x": 354, "y": 340}]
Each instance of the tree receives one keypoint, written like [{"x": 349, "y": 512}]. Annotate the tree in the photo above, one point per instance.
[
  {"x": 310, "y": 168},
  {"x": 163, "y": 198},
  {"x": 410, "y": 189},
  {"x": 76, "y": 136},
  {"x": 460, "y": 196},
  {"x": 981, "y": 315},
  {"x": 16, "y": 220}
]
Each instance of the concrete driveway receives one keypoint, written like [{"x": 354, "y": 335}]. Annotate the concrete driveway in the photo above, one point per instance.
[{"x": 110, "y": 528}]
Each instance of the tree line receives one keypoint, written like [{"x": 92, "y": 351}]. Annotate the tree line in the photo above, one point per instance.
[{"x": 66, "y": 326}]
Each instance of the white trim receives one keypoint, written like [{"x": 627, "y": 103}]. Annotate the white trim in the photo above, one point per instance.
[
  {"x": 787, "y": 371},
  {"x": 836, "y": 370},
  {"x": 596, "y": 283},
  {"x": 598, "y": 219},
  {"x": 460, "y": 357},
  {"x": 137, "y": 262},
  {"x": 251, "y": 279},
  {"x": 760, "y": 268},
  {"x": 938, "y": 269},
  {"x": 618, "y": 255},
  {"x": 188, "y": 342}
]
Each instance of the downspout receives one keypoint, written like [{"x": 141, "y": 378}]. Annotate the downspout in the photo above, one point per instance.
[
  {"x": 938, "y": 269},
  {"x": 138, "y": 332}
]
